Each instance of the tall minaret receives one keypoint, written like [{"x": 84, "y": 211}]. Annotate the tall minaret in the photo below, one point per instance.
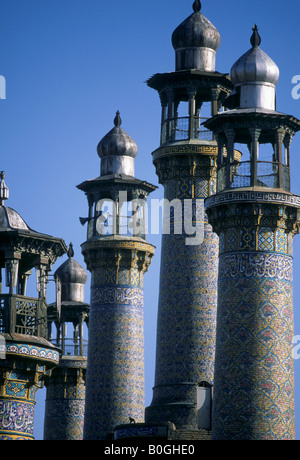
[
  {"x": 186, "y": 166},
  {"x": 26, "y": 354},
  {"x": 64, "y": 412},
  {"x": 118, "y": 256},
  {"x": 256, "y": 217}
]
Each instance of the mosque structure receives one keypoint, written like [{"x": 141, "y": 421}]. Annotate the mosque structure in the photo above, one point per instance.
[
  {"x": 256, "y": 217},
  {"x": 27, "y": 357},
  {"x": 186, "y": 165},
  {"x": 118, "y": 256},
  {"x": 224, "y": 358},
  {"x": 65, "y": 400}
]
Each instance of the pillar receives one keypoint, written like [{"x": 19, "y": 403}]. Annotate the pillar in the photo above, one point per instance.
[
  {"x": 115, "y": 374},
  {"x": 254, "y": 372}
]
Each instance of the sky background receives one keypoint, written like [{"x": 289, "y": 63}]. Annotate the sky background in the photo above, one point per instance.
[{"x": 70, "y": 65}]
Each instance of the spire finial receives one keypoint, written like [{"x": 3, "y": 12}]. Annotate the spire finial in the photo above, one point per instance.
[
  {"x": 255, "y": 39},
  {"x": 71, "y": 251},
  {"x": 117, "y": 120},
  {"x": 4, "y": 190},
  {"x": 197, "y": 6}
]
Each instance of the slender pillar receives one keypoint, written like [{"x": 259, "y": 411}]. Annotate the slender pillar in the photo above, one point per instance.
[
  {"x": 115, "y": 373},
  {"x": 118, "y": 256},
  {"x": 64, "y": 413},
  {"x": 256, "y": 217},
  {"x": 186, "y": 165},
  {"x": 254, "y": 374},
  {"x": 188, "y": 291}
]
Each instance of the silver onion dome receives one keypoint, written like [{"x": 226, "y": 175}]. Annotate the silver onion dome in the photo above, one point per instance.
[
  {"x": 196, "y": 41},
  {"x": 117, "y": 151},
  {"x": 73, "y": 277},
  {"x": 257, "y": 75}
]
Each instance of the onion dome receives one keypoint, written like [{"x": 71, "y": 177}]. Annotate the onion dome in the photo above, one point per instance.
[
  {"x": 196, "y": 41},
  {"x": 257, "y": 75},
  {"x": 72, "y": 277},
  {"x": 70, "y": 271},
  {"x": 117, "y": 151},
  {"x": 255, "y": 65}
]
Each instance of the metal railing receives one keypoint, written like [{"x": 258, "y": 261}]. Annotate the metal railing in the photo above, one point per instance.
[
  {"x": 184, "y": 128},
  {"x": 23, "y": 315},
  {"x": 267, "y": 175},
  {"x": 69, "y": 348}
]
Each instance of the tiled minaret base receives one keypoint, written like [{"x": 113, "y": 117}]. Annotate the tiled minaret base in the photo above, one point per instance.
[
  {"x": 115, "y": 374},
  {"x": 23, "y": 370},
  {"x": 254, "y": 374},
  {"x": 64, "y": 414},
  {"x": 186, "y": 328}
]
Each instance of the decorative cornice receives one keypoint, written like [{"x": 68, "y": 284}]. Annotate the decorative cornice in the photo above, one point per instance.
[
  {"x": 244, "y": 213},
  {"x": 117, "y": 253},
  {"x": 254, "y": 196}
]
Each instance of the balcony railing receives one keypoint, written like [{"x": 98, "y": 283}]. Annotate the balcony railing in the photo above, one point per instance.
[
  {"x": 267, "y": 175},
  {"x": 23, "y": 315},
  {"x": 184, "y": 128},
  {"x": 69, "y": 348}
]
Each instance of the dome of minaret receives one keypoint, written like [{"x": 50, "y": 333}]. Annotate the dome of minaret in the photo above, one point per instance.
[
  {"x": 255, "y": 76},
  {"x": 73, "y": 277},
  {"x": 70, "y": 271},
  {"x": 117, "y": 151},
  {"x": 255, "y": 65},
  {"x": 196, "y": 41}
]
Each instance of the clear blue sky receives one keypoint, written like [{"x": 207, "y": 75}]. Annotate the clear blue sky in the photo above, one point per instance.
[{"x": 70, "y": 65}]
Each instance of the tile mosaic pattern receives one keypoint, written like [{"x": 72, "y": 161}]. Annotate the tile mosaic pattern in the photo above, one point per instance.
[
  {"x": 32, "y": 351},
  {"x": 254, "y": 371},
  {"x": 186, "y": 330},
  {"x": 65, "y": 403},
  {"x": 115, "y": 383},
  {"x": 21, "y": 379},
  {"x": 16, "y": 420},
  {"x": 64, "y": 419},
  {"x": 186, "y": 327},
  {"x": 254, "y": 378}
]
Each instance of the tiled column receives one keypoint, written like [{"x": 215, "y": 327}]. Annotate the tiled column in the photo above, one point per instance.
[
  {"x": 115, "y": 374},
  {"x": 254, "y": 374}
]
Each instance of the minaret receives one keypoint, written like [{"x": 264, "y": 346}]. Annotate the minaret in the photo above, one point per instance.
[
  {"x": 256, "y": 217},
  {"x": 27, "y": 356},
  {"x": 186, "y": 166},
  {"x": 65, "y": 401},
  {"x": 118, "y": 256}
]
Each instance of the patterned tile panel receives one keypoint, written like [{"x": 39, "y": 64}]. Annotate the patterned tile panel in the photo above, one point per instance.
[
  {"x": 254, "y": 378},
  {"x": 186, "y": 326},
  {"x": 16, "y": 419},
  {"x": 115, "y": 373}
]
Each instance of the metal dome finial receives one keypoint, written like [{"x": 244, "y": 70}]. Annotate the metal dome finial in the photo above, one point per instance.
[
  {"x": 255, "y": 38},
  {"x": 197, "y": 6},
  {"x": 4, "y": 190},
  {"x": 71, "y": 251},
  {"x": 117, "y": 120}
]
